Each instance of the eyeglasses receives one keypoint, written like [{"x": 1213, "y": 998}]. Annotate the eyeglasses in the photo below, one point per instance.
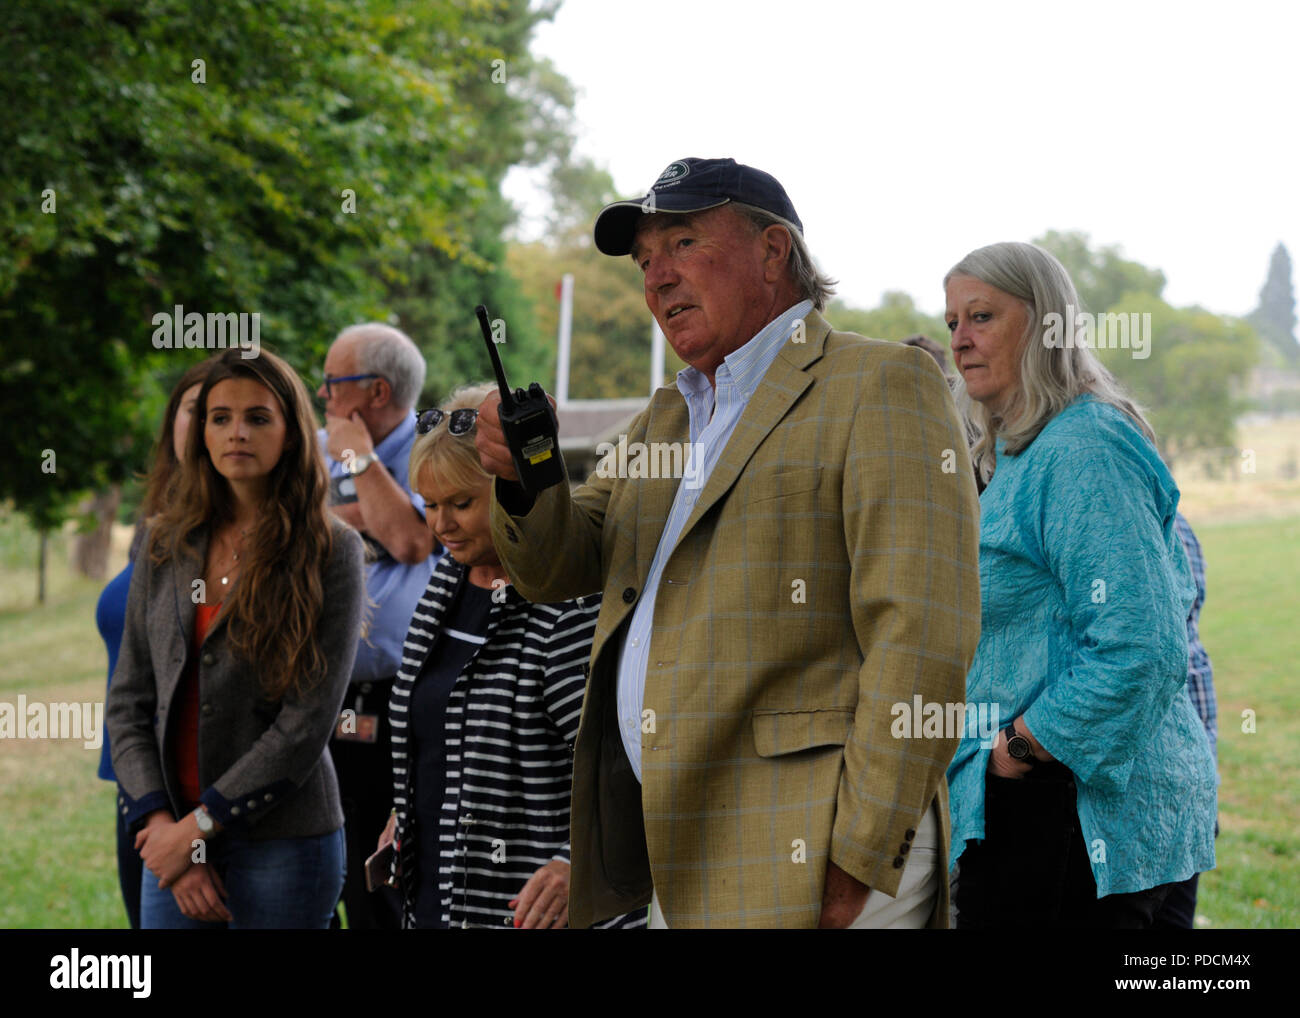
[
  {"x": 333, "y": 380},
  {"x": 459, "y": 422}
]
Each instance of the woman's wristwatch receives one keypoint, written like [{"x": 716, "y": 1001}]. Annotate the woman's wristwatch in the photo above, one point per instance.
[
  {"x": 204, "y": 820},
  {"x": 1017, "y": 745}
]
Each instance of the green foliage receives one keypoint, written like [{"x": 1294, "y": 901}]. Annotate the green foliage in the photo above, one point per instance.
[
  {"x": 896, "y": 318},
  {"x": 1102, "y": 276},
  {"x": 1192, "y": 382},
  {"x": 319, "y": 162},
  {"x": 579, "y": 190},
  {"x": 1199, "y": 363},
  {"x": 610, "y": 355}
]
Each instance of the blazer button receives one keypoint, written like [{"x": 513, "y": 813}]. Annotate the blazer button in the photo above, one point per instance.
[
  {"x": 209, "y": 659},
  {"x": 911, "y": 833},
  {"x": 629, "y": 595},
  {"x": 898, "y": 862}
]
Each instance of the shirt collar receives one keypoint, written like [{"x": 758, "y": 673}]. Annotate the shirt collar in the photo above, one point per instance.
[
  {"x": 397, "y": 438},
  {"x": 744, "y": 368}
]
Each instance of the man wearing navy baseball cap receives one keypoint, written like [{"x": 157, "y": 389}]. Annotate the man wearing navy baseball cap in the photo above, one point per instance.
[
  {"x": 694, "y": 185},
  {"x": 740, "y": 760}
]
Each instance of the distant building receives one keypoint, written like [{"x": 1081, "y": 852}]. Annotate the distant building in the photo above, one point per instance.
[{"x": 586, "y": 423}]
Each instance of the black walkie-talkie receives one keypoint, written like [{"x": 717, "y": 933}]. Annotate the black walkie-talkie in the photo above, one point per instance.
[{"x": 529, "y": 423}]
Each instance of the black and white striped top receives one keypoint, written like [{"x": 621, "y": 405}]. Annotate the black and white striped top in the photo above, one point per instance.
[{"x": 510, "y": 723}]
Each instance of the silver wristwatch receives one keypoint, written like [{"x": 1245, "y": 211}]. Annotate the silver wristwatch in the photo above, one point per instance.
[
  {"x": 362, "y": 463},
  {"x": 205, "y": 822}
]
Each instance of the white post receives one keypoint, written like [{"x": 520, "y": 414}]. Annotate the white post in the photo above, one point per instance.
[
  {"x": 656, "y": 356},
  {"x": 565, "y": 340}
]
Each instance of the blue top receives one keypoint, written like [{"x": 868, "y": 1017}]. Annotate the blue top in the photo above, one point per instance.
[
  {"x": 110, "y": 617},
  {"x": 1200, "y": 674},
  {"x": 393, "y": 586},
  {"x": 1085, "y": 593}
]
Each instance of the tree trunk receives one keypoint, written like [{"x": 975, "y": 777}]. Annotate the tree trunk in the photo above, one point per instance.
[
  {"x": 40, "y": 567},
  {"x": 90, "y": 551}
]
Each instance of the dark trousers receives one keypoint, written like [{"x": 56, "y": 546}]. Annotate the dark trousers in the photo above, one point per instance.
[
  {"x": 129, "y": 870},
  {"x": 1179, "y": 909},
  {"x": 365, "y": 773},
  {"x": 1032, "y": 869}
]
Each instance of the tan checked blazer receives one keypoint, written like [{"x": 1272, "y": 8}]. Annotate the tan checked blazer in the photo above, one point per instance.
[{"x": 829, "y": 570}]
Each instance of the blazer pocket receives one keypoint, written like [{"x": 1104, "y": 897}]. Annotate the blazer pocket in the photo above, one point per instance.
[
  {"x": 778, "y": 732},
  {"x": 784, "y": 483}
]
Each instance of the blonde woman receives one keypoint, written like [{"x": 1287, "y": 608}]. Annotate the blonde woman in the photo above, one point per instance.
[{"x": 484, "y": 713}]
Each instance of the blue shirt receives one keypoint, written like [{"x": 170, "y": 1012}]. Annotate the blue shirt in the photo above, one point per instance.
[
  {"x": 736, "y": 380},
  {"x": 394, "y": 587},
  {"x": 1200, "y": 674},
  {"x": 1085, "y": 593},
  {"x": 110, "y": 617}
]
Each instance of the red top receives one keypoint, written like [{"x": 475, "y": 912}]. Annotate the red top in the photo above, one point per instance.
[{"x": 186, "y": 747}]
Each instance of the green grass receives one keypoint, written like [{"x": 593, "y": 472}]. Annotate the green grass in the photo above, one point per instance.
[
  {"x": 57, "y": 850},
  {"x": 1251, "y": 629},
  {"x": 57, "y": 864}
]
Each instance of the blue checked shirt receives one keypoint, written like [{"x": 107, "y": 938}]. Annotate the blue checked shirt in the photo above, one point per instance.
[
  {"x": 736, "y": 380},
  {"x": 1200, "y": 674}
]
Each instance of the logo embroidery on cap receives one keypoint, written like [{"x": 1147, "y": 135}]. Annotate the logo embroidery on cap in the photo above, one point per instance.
[{"x": 675, "y": 171}]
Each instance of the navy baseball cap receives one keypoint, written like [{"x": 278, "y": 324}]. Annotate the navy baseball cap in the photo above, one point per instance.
[{"x": 693, "y": 185}]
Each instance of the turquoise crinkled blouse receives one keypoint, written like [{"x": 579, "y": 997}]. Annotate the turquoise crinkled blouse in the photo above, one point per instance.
[{"x": 1085, "y": 592}]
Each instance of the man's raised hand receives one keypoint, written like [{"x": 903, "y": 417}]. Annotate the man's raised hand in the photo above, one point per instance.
[{"x": 490, "y": 439}]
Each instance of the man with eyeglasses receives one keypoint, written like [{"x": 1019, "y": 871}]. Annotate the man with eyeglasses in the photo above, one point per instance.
[{"x": 373, "y": 377}]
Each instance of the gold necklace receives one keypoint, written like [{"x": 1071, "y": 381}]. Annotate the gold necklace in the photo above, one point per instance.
[{"x": 234, "y": 558}]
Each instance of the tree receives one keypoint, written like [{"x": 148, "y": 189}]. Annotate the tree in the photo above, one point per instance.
[
  {"x": 1192, "y": 377},
  {"x": 896, "y": 318},
  {"x": 1274, "y": 319},
  {"x": 610, "y": 356},
  {"x": 1102, "y": 276},
  {"x": 579, "y": 190},
  {"x": 1192, "y": 381},
  {"x": 316, "y": 162}
]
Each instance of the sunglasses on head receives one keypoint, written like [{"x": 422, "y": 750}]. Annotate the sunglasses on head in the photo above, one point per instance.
[{"x": 459, "y": 422}]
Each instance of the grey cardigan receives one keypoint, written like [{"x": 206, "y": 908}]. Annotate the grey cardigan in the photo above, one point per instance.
[{"x": 263, "y": 766}]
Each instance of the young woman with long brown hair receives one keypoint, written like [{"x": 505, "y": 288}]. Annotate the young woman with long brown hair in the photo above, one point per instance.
[
  {"x": 110, "y": 612},
  {"x": 241, "y": 627}
]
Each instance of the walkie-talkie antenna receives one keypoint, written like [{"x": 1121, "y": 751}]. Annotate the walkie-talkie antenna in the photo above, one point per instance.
[{"x": 507, "y": 400}]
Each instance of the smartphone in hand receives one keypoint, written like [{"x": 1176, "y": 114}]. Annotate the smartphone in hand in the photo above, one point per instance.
[{"x": 377, "y": 867}]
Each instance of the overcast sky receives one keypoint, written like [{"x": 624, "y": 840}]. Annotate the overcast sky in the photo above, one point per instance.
[{"x": 909, "y": 133}]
